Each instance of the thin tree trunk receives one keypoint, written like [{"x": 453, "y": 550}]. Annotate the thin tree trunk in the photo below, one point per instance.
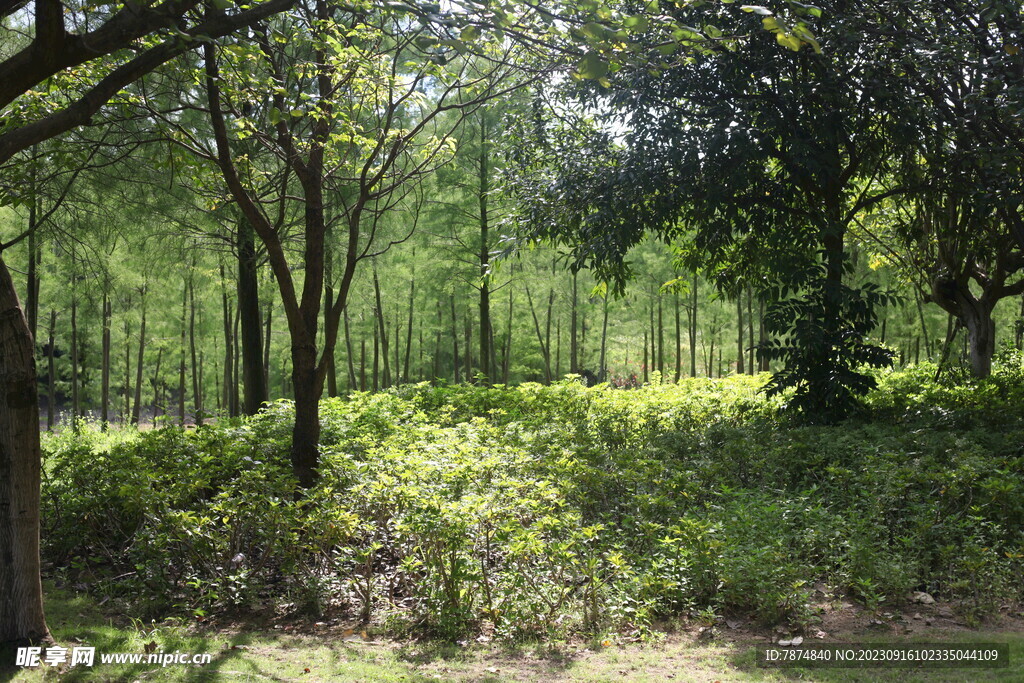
[
  {"x": 21, "y": 594},
  {"x": 362, "y": 364},
  {"x": 762, "y": 336},
  {"x": 184, "y": 351},
  {"x": 924, "y": 327},
  {"x": 197, "y": 393},
  {"x": 126, "y": 413},
  {"x": 950, "y": 336},
  {"x": 436, "y": 370},
  {"x": 376, "y": 354},
  {"x": 468, "y": 355},
  {"x": 692, "y": 314},
  {"x": 348, "y": 352},
  {"x": 507, "y": 355},
  {"x": 739, "y": 338},
  {"x": 411, "y": 320},
  {"x": 455, "y": 340},
  {"x": 51, "y": 385},
  {"x": 646, "y": 349},
  {"x": 574, "y": 367},
  {"x": 105, "y": 359},
  {"x": 155, "y": 383},
  {"x": 229, "y": 345},
  {"x": 266, "y": 346},
  {"x": 137, "y": 406},
  {"x": 254, "y": 384},
  {"x": 603, "y": 371},
  {"x": 75, "y": 405},
  {"x": 679, "y": 341},
  {"x": 653, "y": 338},
  {"x": 545, "y": 351},
  {"x": 558, "y": 348},
  {"x": 661, "y": 339},
  {"x": 236, "y": 374},
  {"x": 397, "y": 336},
  {"x": 383, "y": 332},
  {"x": 485, "y": 267},
  {"x": 750, "y": 328}
]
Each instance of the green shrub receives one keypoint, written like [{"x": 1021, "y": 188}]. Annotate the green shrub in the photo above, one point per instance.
[{"x": 548, "y": 510}]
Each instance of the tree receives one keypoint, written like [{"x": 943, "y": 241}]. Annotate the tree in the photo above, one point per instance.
[
  {"x": 355, "y": 116},
  {"x": 95, "y": 55},
  {"x": 962, "y": 234},
  {"x": 764, "y": 143}
]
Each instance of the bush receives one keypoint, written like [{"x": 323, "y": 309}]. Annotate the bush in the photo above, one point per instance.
[{"x": 547, "y": 510}]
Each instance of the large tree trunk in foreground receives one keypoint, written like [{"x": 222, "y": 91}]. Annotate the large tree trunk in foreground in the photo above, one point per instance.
[{"x": 21, "y": 593}]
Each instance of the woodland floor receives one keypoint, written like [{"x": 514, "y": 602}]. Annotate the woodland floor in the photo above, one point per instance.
[{"x": 291, "y": 649}]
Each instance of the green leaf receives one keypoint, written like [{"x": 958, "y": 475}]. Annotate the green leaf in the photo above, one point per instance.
[
  {"x": 594, "y": 30},
  {"x": 592, "y": 66},
  {"x": 638, "y": 23},
  {"x": 757, "y": 9}
]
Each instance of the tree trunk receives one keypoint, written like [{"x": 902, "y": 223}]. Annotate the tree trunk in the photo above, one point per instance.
[
  {"x": 75, "y": 405},
  {"x": 155, "y": 382},
  {"x": 126, "y": 413},
  {"x": 558, "y": 348},
  {"x": 383, "y": 334},
  {"x": 184, "y": 352},
  {"x": 455, "y": 340},
  {"x": 197, "y": 383},
  {"x": 692, "y": 315},
  {"x": 436, "y": 369},
  {"x": 762, "y": 334},
  {"x": 376, "y": 355},
  {"x": 51, "y": 385},
  {"x": 266, "y": 346},
  {"x": 750, "y": 328},
  {"x": 306, "y": 434},
  {"x": 574, "y": 367},
  {"x": 679, "y": 341},
  {"x": 229, "y": 345},
  {"x": 21, "y": 593},
  {"x": 236, "y": 397},
  {"x": 411, "y": 320},
  {"x": 348, "y": 352},
  {"x": 137, "y": 406},
  {"x": 545, "y": 350},
  {"x": 981, "y": 337},
  {"x": 661, "y": 339},
  {"x": 362, "y": 364},
  {"x": 739, "y": 335},
  {"x": 602, "y": 373},
  {"x": 254, "y": 385},
  {"x": 485, "y": 267},
  {"x": 468, "y": 355},
  {"x": 652, "y": 339},
  {"x": 646, "y": 359},
  {"x": 105, "y": 360},
  {"x": 506, "y": 360}
]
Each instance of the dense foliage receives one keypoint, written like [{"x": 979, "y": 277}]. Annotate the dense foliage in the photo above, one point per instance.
[{"x": 548, "y": 510}]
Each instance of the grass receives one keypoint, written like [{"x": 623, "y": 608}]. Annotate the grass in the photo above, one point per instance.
[{"x": 322, "y": 653}]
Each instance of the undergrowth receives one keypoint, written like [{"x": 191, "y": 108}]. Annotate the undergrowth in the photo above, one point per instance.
[{"x": 538, "y": 511}]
